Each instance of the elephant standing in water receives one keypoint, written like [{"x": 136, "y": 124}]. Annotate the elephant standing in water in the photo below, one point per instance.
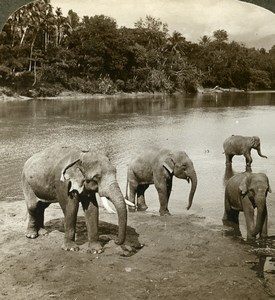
[
  {"x": 158, "y": 166},
  {"x": 244, "y": 192},
  {"x": 69, "y": 175},
  {"x": 241, "y": 145}
]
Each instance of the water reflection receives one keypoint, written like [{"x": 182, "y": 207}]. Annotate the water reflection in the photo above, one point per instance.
[
  {"x": 229, "y": 172},
  {"x": 91, "y": 108}
]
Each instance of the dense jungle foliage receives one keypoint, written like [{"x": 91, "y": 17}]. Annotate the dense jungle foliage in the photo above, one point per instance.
[{"x": 43, "y": 52}]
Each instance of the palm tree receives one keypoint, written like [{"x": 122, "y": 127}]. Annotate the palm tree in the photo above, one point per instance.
[
  {"x": 204, "y": 40},
  {"x": 176, "y": 42}
]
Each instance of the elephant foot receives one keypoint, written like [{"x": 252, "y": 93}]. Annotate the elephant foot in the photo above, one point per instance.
[
  {"x": 95, "y": 248},
  {"x": 42, "y": 231},
  {"x": 70, "y": 246},
  {"x": 250, "y": 239},
  {"x": 31, "y": 233},
  {"x": 142, "y": 207},
  {"x": 131, "y": 209},
  {"x": 164, "y": 213},
  {"x": 263, "y": 237}
]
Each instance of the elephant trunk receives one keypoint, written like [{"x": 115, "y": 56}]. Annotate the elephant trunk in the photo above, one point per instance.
[
  {"x": 194, "y": 182},
  {"x": 261, "y": 215},
  {"x": 259, "y": 152},
  {"x": 114, "y": 194}
]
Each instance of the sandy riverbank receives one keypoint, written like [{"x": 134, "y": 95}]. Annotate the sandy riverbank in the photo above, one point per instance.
[
  {"x": 183, "y": 257},
  {"x": 68, "y": 95}
]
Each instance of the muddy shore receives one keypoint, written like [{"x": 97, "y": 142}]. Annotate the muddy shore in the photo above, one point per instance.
[{"x": 176, "y": 257}]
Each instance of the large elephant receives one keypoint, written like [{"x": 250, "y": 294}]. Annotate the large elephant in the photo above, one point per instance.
[
  {"x": 245, "y": 192},
  {"x": 158, "y": 166},
  {"x": 241, "y": 145},
  {"x": 69, "y": 175}
]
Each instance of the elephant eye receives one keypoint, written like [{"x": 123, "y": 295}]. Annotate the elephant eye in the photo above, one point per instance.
[
  {"x": 95, "y": 179},
  {"x": 251, "y": 191}
]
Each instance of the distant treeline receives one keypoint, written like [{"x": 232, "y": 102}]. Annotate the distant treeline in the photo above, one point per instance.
[{"x": 43, "y": 52}]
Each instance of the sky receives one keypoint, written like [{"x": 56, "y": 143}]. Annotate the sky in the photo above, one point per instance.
[{"x": 243, "y": 22}]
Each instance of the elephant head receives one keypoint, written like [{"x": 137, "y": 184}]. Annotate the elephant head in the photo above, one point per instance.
[
  {"x": 94, "y": 172},
  {"x": 256, "y": 187},
  {"x": 180, "y": 165},
  {"x": 256, "y": 144}
]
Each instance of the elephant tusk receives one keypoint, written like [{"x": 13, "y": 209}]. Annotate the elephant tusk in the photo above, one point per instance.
[
  {"x": 109, "y": 209},
  {"x": 129, "y": 203},
  {"x": 107, "y": 206}
]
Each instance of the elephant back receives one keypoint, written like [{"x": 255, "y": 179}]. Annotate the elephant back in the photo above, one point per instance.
[{"x": 44, "y": 168}]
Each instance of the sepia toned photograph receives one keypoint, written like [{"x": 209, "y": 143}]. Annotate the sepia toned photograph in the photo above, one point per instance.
[{"x": 138, "y": 149}]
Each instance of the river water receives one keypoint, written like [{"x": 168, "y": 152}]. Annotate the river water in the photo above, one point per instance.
[{"x": 122, "y": 127}]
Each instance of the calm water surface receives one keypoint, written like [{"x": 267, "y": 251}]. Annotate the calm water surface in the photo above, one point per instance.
[{"x": 122, "y": 127}]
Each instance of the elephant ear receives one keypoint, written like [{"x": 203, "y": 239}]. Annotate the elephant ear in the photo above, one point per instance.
[
  {"x": 255, "y": 141},
  {"x": 244, "y": 185},
  {"x": 169, "y": 164},
  {"x": 73, "y": 173}
]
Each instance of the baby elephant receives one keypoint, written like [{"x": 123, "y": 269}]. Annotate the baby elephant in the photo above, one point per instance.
[
  {"x": 244, "y": 192},
  {"x": 241, "y": 145},
  {"x": 158, "y": 166}
]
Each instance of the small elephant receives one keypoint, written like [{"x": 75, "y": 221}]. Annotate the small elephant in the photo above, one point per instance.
[
  {"x": 69, "y": 175},
  {"x": 158, "y": 166},
  {"x": 244, "y": 192},
  {"x": 241, "y": 145}
]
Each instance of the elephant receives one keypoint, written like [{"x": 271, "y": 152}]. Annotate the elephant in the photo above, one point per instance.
[
  {"x": 241, "y": 145},
  {"x": 158, "y": 166},
  {"x": 245, "y": 192},
  {"x": 69, "y": 175}
]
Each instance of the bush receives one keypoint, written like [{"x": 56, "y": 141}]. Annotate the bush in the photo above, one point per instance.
[
  {"x": 259, "y": 80},
  {"x": 82, "y": 85},
  {"x": 53, "y": 74},
  {"x": 47, "y": 91},
  {"x": 120, "y": 85},
  {"x": 106, "y": 85}
]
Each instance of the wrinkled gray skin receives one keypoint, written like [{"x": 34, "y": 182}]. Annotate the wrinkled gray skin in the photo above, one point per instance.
[
  {"x": 241, "y": 145},
  {"x": 245, "y": 192},
  {"x": 68, "y": 175},
  {"x": 158, "y": 166}
]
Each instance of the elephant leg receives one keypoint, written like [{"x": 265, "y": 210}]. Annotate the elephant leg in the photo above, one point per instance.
[
  {"x": 228, "y": 158},
  {"x": 141, "y": 205},
  {"x": 70, "y": 209},
  {"x": 162, "y": 193},
  {"x": 248, "y": 210},
  {"x": 169, "y": 183},
  {"x": 231, "y": 216},
  {"x": 231, "y": 219},
  {"x": 36, "y": 210},
  {"x": 132, "y": 194},
  {"x": 263, "y": 233},
  {"x": 248, "y": 159},
  {"x": 90, "y": 207}
]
